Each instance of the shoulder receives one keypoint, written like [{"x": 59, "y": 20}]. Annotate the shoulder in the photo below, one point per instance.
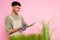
[
  {"x": 7, "y": 18},
  {"x": 20, "y": 16}
]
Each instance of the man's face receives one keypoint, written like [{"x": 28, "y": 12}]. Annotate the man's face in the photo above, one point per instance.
[{"x": 16, "y": 9}]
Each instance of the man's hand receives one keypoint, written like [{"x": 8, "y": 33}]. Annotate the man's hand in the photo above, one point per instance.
[
  {"x": 27, "y": 25},
  {"x": 30, "y": 25}
]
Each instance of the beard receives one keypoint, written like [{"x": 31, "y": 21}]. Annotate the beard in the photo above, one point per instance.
[{"x": 15, "y": 12}]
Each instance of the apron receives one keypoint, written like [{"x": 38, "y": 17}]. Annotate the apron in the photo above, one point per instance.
[{"x": 16, "y": 24}]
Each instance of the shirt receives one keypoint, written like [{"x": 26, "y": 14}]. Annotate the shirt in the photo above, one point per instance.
[{"x": 8, "y": 22}]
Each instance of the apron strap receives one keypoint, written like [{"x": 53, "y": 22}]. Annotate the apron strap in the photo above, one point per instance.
[
  {"x": 11, "y": 17},
  {"x": 21, "y": 18}
]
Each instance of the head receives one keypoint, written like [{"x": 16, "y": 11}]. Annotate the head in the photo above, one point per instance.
[{"x": 16, "y": 6}]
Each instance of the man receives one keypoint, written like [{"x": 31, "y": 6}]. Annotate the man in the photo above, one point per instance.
[{"x": 14, "y": 21}]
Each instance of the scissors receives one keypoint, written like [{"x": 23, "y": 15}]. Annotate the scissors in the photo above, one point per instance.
[{"x": 24, "y": 27}]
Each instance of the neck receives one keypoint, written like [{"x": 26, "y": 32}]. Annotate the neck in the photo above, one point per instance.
[{"x": 14, "y": 14}]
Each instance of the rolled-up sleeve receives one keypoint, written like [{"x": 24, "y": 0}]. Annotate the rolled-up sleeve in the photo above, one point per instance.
[{"x": 8, "y": 25}]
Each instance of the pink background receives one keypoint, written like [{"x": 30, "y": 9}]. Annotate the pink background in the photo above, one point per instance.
[{"x": 34, "y": 10}]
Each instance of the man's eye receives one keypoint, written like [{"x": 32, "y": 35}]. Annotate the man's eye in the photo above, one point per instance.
[{"x": 19, "y": 8}]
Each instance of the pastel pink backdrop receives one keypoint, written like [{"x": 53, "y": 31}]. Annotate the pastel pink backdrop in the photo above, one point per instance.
[{"x": 33, "y": 10}]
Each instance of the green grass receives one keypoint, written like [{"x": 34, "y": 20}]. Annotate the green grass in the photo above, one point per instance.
[
  {"x": 45, "y": 31},
  {"x": 28, "y": 37}
]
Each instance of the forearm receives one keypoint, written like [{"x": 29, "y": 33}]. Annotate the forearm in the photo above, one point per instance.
[
  {"x": 14, "y": 30},
  {"x": 17, "y": 29}
]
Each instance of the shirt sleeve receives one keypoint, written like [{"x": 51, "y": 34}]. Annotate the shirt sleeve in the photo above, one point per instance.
[
  {"x": 23, "y": 22},
  {"x": 8, "y": 25}
]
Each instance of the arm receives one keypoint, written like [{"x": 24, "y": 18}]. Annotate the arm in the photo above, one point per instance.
[
  {"x": 14, "y": 30},
  {"x": 24, "y": 23},
  {"x": 9, "y": 26}
]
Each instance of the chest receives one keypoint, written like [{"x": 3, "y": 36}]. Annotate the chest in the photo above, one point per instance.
[{"x": 16, "y": 21}]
